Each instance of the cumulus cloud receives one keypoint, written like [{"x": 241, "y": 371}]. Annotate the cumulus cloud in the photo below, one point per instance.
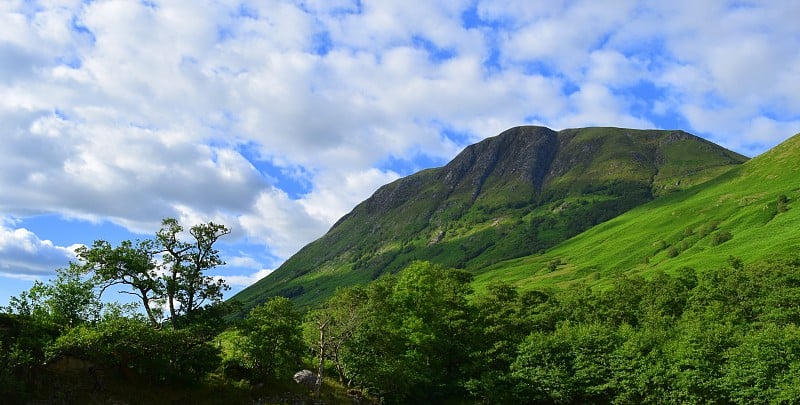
[
  {"x": 131, "y": 111},
  {"x": 243, "y": 263},
  {"x": 246, "y": 280},
  {"x": 24, "y": 255}
]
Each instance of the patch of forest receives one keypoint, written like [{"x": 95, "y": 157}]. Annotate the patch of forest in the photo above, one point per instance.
[{"x": 717, "y": 335}]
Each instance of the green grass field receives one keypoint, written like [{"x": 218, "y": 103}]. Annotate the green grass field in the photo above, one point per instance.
[{"x": 683, "y": 229}]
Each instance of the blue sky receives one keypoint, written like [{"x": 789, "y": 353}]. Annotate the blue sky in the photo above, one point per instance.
[{"x": 277, "y": 117}]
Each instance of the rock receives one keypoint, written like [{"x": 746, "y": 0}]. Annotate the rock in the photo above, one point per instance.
[{"x": 305, "y": 377}]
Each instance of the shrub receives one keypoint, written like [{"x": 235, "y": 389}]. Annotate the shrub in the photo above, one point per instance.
[
  {"x": 553, "y": 264},
  {"x": 672, "y": 252},
  {"x": 782, "y": 201},
  {"x": 721, "y": 237}
]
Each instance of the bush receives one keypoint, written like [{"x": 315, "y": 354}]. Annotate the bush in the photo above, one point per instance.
[
  {"x": 721, "y": 237},
  {"x": 782, "y": 201},
  {"x": 133, "y": 347},
  {"x": 706, "y": 229},
  {"x": 672, "y": 252}
]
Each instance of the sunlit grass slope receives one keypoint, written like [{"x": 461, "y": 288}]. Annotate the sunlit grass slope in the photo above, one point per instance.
[{"x": 751, "y": 212}]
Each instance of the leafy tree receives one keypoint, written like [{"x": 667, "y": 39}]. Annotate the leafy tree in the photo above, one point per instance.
[
  {"x": 760, "y": 369},
  {"x": 185, "y": 281},
  {"x": 783, "y": 200},
  {"x": 721, "y": 237},
  {"x": 571, "y": 365},
  {"x": 332, "y": 325},
  {"x": 30, "y": 303},
  {"x": 131, "y": 264},
  {"x": 640, "y": 369},
  {"x": 68, "y": 300},
  {"x": 504, "y": 317},
  {"x": 272, "y": 341},
  {"x": 23, "y": 339},
  {"x": 415, "y": 338},
  {"x": 180, "y": 281},
  {"x": 135, "y": 350}
]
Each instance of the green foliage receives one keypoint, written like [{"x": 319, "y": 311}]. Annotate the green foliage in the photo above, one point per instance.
[
  {"x": 68, "y": 300},
  {"x": 783, "y": 201},
  {"x": 573, "y": 364},
  {"x": 720, "y": 237},
  {"x": 504, "y": 317},
  {"x": 330, "y": 327},
  {"x": 23, "y": 339},
  {"x": 185, "y": 263},
  {"x": 179, "y": 278},
  {"x": 672, "y": 251},
  {"x": 132, "y": 264},
  {"x": 763, "y": 367},
  {"x": 414, "y": 337},
  {"x": 271, "y": 343},
  {"x": 726, "y": 335},
  {"x": 136, "y": 350}
]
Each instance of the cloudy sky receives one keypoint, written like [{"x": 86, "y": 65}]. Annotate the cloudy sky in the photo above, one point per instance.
[{"x": 277, "y": 117}]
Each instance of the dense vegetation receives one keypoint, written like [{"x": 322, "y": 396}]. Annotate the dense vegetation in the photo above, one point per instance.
[{"x": 725, "y": 335}]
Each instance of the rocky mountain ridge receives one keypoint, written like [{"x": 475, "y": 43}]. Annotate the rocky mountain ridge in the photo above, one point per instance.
[{"x": 520, "y": 192}]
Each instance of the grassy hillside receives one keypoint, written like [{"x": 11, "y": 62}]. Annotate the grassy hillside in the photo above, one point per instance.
[
  {"x": 513, "y": 195},
  {"x": 750, "y": 212}
]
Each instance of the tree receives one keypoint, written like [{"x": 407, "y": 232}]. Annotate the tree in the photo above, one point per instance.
[
  {"x": 272, "y": 343},
  {"x": 185, "y": 281},
  {"x": 68, "y": 300},
  {"x": 180, "y": 280},
  {"x": 570, "y": 365},
  {"x": 504, "y": 317},
  {"x": 761, "y": 369},
  {"x": 130, "y": 264},
  {"x": 136, "y": 350},
  {"x": 415, "y": 334},
  {"x": 332, "y": 325},
  {"x": 34, "y": 319},
  {"x": 783, "y": 200}
]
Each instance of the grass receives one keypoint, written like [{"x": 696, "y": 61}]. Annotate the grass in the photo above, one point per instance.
[{"x": 742, "y": 203}]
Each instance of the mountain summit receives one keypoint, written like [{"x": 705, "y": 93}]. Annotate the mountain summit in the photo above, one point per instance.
[{"x": 518, "y": 193}]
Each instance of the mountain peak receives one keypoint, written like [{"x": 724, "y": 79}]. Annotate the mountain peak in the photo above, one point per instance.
[{"x": 519, "y": 192}]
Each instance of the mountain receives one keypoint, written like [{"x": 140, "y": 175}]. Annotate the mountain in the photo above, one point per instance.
[
  {"x": 518, "y": 194},
  {"x": 748, "y": 214}
]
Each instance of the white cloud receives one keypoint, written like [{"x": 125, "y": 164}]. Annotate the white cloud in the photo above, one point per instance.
[
  {"x": 23, "y": 254},
  {"x": 563, "y": 37},
  {"x": 246, "y": 280},
  {"x": 338, "y": 193},
  {"x": 127, "y": 112},
  {"x": 596, "y": 105},
  {"x": 613, "y": 69},
  {"x": 281, "y": 223},
  {"x": 243, "y": 262}
]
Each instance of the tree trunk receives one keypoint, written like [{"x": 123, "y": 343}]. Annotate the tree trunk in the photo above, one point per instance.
[
  {"x": 148, "y": 310},
  {"x": 321, "y": 369},
  {"x": 171, "y": 298}
]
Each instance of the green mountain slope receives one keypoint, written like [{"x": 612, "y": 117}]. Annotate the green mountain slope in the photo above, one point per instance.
[
  {"x": 750, "y": 213},
  {"x": 517, "y": 194}
]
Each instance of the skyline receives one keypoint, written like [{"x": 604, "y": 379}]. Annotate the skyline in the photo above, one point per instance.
[{"x": 277, "y": 118}]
